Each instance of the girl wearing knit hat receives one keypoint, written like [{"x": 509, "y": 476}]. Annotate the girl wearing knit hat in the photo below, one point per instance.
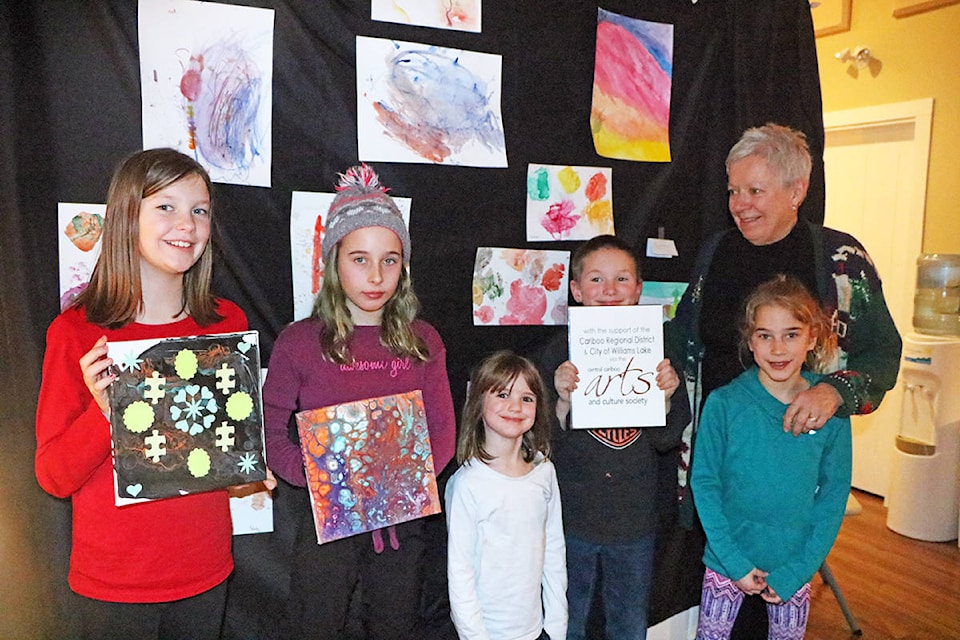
[{"x": 362, "y": 341}]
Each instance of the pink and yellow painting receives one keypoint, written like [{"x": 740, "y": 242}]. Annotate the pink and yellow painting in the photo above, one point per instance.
[
  {"x": 206, "y": 78},
  {"x": 520, "y": 286},
  {"x": 633, "y": 71},
  {"x": 369, "y": 464},
  {"x": 308, "y": 215},
  {"x": 568, "y": 203},
  {"x": 78, "y": 246},
  {"x": 459, "y": 15},
  {"x": 426, "y": 104}
]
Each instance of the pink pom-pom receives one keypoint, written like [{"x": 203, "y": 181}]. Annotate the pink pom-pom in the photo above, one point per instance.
[{"x": 362, "y": 178}]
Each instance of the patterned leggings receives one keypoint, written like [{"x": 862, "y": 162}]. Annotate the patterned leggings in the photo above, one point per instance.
[{"x": 720, "y": 602}]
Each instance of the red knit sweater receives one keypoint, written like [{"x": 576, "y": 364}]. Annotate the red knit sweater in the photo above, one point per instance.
[{"x": 148, "y": 552}]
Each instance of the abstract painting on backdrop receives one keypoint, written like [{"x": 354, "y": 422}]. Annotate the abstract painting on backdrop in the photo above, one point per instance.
[
  {"x": 519, "y": 286},
  {"x": 78, "y": 246},
  {"x": 632, "y": 83},
  {"x": 568, "y": 203},
  {"x": 421, "y": 103},
  {"x": 206, "y": 82}
]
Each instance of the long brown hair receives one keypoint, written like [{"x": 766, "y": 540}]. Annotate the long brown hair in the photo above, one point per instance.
[
  {"x": 787, "y": 292},
  {"x": 498, "y": 372},
  {"x": 114, "y": 296}
]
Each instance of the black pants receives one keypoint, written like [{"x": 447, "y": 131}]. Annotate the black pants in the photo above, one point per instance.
[
  {"x": 751, "y": 623},
  {"x": 326, "y": 578},
  {"x": 196, "y": 618}
]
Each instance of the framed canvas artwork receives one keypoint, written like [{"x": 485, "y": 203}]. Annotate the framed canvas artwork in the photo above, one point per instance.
[
  {"x": 186, "y": 415},
  {"x": 369, "y": 464}
]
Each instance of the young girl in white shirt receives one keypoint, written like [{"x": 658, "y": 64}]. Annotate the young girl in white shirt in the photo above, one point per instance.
[{"x": 506, "y": 562}]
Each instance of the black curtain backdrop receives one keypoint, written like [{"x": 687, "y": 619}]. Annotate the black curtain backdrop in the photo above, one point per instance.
[{"x": 70, "y": 110}]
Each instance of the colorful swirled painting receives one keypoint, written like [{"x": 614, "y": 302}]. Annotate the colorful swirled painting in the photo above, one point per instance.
[
  {"x": 460, "y": 15},
  {"x": 308, "y": 218},
  {"x": 186, "y": 415},
  {"x": 206, "y": 75},
  {"x": 369, "y": 464},
  {"x": 520, "y": 286},
  {"x": 632, "y": 77},
  {"x": 425, "y": 104},
  {"x": 568, "y": 203}
]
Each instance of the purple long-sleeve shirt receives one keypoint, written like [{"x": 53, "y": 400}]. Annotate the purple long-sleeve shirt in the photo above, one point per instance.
[{"x": 300, "y": 379}]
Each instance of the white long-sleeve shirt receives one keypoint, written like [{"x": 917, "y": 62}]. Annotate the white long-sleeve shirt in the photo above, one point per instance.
[{"x": 506, "y": 558}]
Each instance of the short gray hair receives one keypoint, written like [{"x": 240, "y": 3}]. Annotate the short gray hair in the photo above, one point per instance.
[{"x": 784, "y": 149}]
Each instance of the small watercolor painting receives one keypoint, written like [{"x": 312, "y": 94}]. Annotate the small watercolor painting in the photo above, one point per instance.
[
  {"x": 369, "y": 464},
  {"x": 568, "y": 203},
  {"x": 186, "y": 415},
  {"x": 78, "y": 245},
  {"x": 666, "y": 294},
  {"x": 420, "y": 103},
  {"x": 308, "y": 217},
  {"x": 633, "y": 74},
  {"x": 520, "y": 286},
  {"x": 252, "y": 513},
  {"x": 206, "y": 77},
  {"x": 460, "y": 15}
]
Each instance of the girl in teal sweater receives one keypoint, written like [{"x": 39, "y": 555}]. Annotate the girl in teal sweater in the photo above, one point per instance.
[{"x": 771, "y": 503}]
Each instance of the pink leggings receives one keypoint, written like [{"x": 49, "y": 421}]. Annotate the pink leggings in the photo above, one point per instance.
[{"x": 720, "y": 602}]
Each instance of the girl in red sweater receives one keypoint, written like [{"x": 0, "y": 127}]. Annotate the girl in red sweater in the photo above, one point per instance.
[{"x": 153, "y": 569}]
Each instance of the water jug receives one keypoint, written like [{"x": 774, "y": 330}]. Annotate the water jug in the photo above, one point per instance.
[{"x": 936, "y": 303}]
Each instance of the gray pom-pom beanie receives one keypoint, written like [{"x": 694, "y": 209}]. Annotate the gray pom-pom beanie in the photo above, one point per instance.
[{"x": 361, "y": 201}]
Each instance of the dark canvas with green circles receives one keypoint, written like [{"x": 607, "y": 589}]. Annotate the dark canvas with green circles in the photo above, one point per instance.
[{"x": 186, "y": 415}]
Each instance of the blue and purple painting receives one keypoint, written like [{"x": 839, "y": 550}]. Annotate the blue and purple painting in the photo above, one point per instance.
[
  {"x": 424, "y": 104},
  {"x": 206, "y": 79}
]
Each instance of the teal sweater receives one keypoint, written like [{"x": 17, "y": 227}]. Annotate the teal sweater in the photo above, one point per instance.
[{"x": 767, "y": 499}]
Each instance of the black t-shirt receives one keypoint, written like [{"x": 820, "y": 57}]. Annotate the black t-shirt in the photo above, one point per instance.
[{"x": 737, "y": 268}]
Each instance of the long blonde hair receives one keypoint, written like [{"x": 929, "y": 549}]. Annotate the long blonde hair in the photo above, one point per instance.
[
  {"x": 787, "y": 292},
  {"x": 396, "y": 330},
  {"x": 114, "y": 296},
  {"x": 497, "y": 372}
]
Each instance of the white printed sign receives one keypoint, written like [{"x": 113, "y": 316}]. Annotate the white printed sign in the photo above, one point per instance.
[{"x": 616, "y": 351}]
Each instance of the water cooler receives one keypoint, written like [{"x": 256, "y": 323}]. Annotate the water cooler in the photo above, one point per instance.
[{"x": 924, "y": 497}]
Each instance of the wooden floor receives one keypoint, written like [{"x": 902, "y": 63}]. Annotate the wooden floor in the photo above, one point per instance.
[{"x": 896, "y": 587}]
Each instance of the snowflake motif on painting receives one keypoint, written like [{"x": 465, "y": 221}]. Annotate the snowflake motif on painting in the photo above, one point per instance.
[
  {"x": 247, "y": 463},
  {"x": 191, "y": 402},
  {"x": 130, "y": 362}
]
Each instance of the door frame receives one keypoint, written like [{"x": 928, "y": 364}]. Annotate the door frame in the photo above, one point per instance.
[
  {"x": 874, "y": 434},
  {"x": 919, "y": 113}
]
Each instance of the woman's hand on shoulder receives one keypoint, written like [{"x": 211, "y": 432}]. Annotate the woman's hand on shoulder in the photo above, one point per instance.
[
  {"x": 94, "y": 365},
  {"x": 811, "y": 409}
]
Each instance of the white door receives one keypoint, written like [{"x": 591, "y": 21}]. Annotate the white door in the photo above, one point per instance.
[{"x": 875, "y": 162}]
